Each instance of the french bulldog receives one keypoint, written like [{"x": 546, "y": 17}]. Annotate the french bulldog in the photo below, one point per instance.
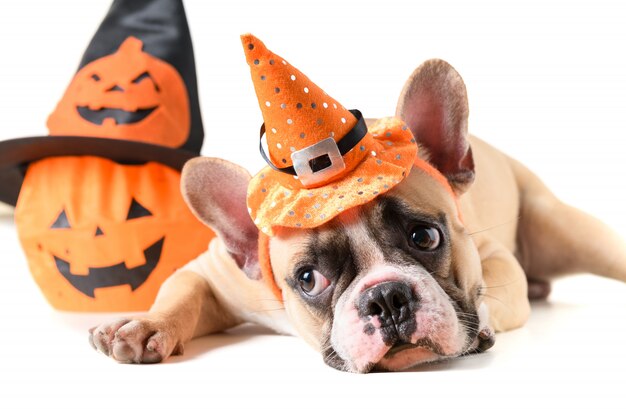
[{"x": 427, "y": 271}]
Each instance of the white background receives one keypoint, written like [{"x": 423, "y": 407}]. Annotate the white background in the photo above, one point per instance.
[{"x": 546, "y": 83}]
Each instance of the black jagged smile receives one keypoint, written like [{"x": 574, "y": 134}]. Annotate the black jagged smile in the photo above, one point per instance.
[
  {"x": 121, "y": 117},
  {"x": 113, "y": 276}
]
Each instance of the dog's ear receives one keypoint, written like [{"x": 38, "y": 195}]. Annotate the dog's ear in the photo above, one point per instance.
[
  {"x": 215, "y": 190},
  {"x": 433, "y": 103}
]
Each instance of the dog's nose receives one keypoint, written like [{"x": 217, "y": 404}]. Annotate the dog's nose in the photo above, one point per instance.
[{"x": 392, "y": 302}]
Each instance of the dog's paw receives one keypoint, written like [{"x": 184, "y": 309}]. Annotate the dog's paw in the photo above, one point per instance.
[{"x": 141, "y": 340}]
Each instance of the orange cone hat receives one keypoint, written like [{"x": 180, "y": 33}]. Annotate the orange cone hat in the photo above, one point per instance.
[{"x": 322, "y": 158}]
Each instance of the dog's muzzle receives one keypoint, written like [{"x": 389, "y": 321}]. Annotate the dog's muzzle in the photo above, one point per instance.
[{"x": 394, "y": 305}]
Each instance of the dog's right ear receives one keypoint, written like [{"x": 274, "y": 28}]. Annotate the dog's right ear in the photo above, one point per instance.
[
  {"x": 434, "y": 105},
  {"x": 215, "y": 190}
]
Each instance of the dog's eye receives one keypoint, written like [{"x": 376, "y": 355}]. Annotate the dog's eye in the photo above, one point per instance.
[
  {"x": 312, "y": 282},
  {"x": 425, "y": 238}
]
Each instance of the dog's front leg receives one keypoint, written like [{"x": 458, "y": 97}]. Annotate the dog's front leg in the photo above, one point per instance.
[
  {"x": 185, "y": 308},
  {"x": 505, "y": 290}
]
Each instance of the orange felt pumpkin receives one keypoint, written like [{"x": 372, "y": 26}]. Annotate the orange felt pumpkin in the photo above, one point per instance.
[
  {"x": 101, "y": 236},
  {"x": 126, "y": 95}
]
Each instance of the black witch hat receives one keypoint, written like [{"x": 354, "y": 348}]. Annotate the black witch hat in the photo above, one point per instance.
[{"x": 133, "y": 99}]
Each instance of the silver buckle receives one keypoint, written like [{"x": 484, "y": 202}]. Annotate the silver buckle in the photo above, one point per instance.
[{"x": 302, "y": 162}]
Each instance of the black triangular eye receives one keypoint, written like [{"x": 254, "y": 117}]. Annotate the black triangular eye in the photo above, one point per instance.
[
  {"x": 137, "y": 210},
  {"x": 61, "y": 222},
  {"x": 142, "y": 77}
]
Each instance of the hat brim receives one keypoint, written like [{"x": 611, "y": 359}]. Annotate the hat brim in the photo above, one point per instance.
[
  {"x": 276, "y": 199},
  {"x": 16, "y": 154}
]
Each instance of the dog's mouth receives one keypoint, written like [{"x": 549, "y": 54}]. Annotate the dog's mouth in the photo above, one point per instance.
[
  {"x": 409, "y": 355},
  {"x": 424, "y": 343},
  {"x": 115, "y": 275},
  {"x": 119, "y": 116},
  {"x": 397, "y": 349},
  {"x": 406, "y": 354}
]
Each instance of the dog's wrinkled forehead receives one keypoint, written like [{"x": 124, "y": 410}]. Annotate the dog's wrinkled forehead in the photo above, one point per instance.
[{"x": 375, "y": 234}]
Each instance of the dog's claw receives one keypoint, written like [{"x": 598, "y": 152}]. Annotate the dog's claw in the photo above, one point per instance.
[{"x": 91, "y": 339}]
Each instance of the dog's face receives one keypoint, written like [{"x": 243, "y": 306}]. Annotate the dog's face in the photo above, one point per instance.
[{"x": 386, "y": 286}]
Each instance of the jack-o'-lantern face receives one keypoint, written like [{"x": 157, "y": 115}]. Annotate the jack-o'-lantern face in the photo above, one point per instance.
[
  {"x": 100, "y": 236},
  {"x": 126, "y": 95}
]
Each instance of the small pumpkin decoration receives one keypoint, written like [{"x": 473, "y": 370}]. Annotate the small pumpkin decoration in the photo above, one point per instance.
[
  {"x": 102, "y": 236},
  {"x": 120, "y": 96}
]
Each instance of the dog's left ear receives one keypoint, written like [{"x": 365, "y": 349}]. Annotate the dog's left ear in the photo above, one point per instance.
[
  {"x": 215, "y": 191},
  {"x": 433, "y": 103}
]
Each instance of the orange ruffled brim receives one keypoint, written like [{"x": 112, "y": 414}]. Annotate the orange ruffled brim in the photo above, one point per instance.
[{"x": 276, "y": 199}]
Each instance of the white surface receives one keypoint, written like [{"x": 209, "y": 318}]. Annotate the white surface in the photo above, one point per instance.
[{"x": 546, "y": 81}]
